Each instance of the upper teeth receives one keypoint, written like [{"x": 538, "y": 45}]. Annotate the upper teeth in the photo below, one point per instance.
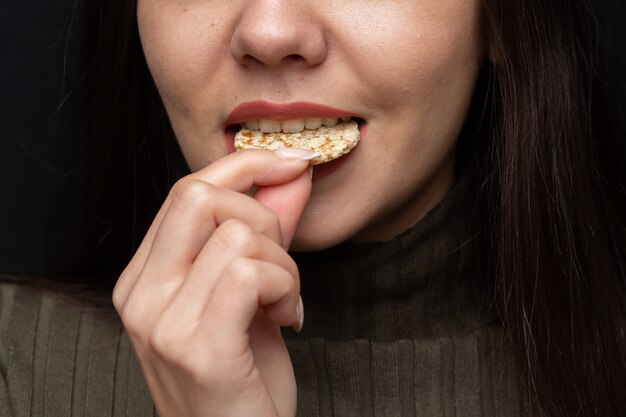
[{"x": 291, "y": 126}]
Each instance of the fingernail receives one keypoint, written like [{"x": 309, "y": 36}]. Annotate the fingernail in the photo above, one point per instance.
[
  {"x": 300, "y": 315},
  {"x": 310, "y": 171},
  {"x": 296, "y": 154}
]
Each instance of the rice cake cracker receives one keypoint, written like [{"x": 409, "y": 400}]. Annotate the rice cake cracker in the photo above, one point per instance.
[{"x": 330, "y": 142}]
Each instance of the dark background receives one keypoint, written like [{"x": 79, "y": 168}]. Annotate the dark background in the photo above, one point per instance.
[
  {"x": 39, "y": 56},
  {"x": 39, "y": 53}
]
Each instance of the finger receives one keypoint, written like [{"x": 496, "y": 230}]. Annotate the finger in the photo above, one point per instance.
[
  {"x": 130, "y": 274},
  {"x": 231, "y": 240},
  {"x": 288, "y": 201},
  {"x": 239, "y": 172},
  {"x": 245, "y": 286},
  {"x": 195, "y": 211}
]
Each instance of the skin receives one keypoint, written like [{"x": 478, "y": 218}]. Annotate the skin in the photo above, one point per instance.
[
  {"x": 407, "y": 67},
  {"x": 204, "y": 296}
]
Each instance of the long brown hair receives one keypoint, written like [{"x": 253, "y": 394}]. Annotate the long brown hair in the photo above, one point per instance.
[
  {"x": 558, "y": 222},
  {"x": 127, "y": 154},
  {"x": 548, "y": 172}
]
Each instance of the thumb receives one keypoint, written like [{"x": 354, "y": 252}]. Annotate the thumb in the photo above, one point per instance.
[{"x": 287, "y": 201}]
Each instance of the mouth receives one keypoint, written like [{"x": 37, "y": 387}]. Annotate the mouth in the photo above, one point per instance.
[
  {"x": 287, "y": 118},
  {"x": 331, "y": 138},
  {"x": 266, "y": 121},
  {"x": 290, "y": 126}
]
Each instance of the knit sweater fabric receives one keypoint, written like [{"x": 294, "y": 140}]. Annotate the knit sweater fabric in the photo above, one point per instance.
[{"x": 398, "y": 328}]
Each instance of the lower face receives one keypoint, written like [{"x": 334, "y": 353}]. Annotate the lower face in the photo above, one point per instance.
[{"x": 407, "y": 69}]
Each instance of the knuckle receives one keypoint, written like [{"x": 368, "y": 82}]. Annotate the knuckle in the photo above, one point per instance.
[
  {"x": 136, "y": 316},
  {"x": 191, "y": 191},
  {"x": 163, "y": 341},
  {"x": 235, "y": 235},
  {"x": 195, "y": 370},
  {"x": 118, "y": 296},
  {"x": 242, "y": 273},
  {"x": 118, "y": 299},
  {"x": 133, "y": 320},
  {"x": 198, "y": 362},
  {"x": 168, "y": 334},
  {"x": 178, "y": 186}
]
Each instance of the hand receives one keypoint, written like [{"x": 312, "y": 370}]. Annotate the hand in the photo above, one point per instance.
[{"x": 204, "y": 296}]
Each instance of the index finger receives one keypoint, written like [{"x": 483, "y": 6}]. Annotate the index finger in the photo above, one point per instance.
[
  {"x": 239, "y": 172},
  {"x": 242, "y": 170}
]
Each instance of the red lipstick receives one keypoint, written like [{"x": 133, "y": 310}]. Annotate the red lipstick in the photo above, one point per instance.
[{"x": 298, "y": 110}]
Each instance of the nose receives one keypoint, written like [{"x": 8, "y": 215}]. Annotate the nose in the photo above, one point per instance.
[{"x": 273, "y": 32}]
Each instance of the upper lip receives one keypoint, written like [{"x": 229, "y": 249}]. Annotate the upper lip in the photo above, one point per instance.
[{"x": 283, "y": 111}]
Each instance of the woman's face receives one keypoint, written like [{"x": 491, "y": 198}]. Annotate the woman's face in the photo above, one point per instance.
[{"x": 407, "y": 68}]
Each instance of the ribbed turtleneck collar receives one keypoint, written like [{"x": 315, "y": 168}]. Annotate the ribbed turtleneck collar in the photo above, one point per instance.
[{"x": 415, "y": 285}]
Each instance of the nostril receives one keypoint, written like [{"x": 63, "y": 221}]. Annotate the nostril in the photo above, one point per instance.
[{"x": 293, "y": 57}]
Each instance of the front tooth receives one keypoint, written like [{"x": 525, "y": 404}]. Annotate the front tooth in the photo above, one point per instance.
[
  {"x": 330, "y": 122},
  {"x": 293, "y": 126},
  {"x": 313, "y": 123},
  {"x": 270, "y": 126},
  {"x": 252, "y": 124}
]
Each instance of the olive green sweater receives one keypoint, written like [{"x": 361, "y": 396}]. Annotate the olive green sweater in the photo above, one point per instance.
[{"x": 391, "y": 329}]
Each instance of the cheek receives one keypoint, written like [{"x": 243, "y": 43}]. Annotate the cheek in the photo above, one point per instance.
[
  {"x": 183, "y": 54},
  {"x": 175, "y": 39},
  {"x": 424, "y": 54}
]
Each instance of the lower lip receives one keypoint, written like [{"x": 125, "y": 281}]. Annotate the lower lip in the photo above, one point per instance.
[{"x": 319, "y": 171}]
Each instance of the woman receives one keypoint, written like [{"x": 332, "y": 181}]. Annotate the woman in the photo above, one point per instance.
[{"x": 466, "y": 257}]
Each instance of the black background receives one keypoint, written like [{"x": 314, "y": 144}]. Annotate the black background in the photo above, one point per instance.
[{"x": 39, "y": 46}]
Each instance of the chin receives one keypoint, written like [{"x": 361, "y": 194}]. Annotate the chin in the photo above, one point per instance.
[{"x": 316, "y": 240}]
